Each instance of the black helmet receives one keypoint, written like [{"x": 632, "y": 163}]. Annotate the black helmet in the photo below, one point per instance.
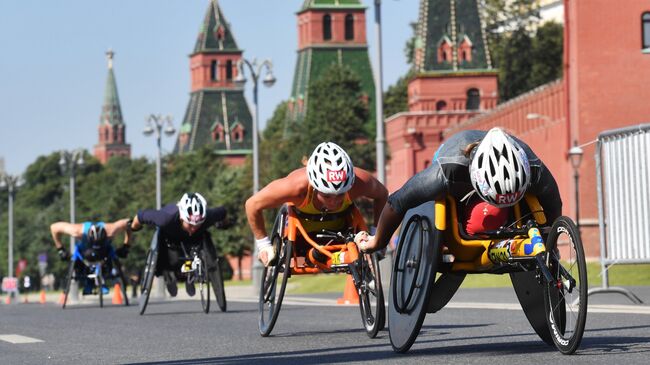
[{"x": 96, "y": 233}]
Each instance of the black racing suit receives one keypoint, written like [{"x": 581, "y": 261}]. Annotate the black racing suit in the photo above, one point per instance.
[
  {"x": 173, "y": 242},
  {"x": 448, "y": 174}
]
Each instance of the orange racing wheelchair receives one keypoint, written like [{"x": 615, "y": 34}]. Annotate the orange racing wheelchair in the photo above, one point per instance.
[
  {"x": 545, "y": 262},
  {"x": 335, "y": 252}
]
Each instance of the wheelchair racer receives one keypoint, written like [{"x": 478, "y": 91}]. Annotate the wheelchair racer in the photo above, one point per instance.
[
  {"x": 322, "y": 193},
  {"x": 493, "y": 165},
  {"x": 182, "y": 226},
  {"x": 93, "y": 243}
]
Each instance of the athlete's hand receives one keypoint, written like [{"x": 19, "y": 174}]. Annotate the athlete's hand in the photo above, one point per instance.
[
  {"x": 266, "y": 255},
  {"x": 63, "y": 254},
  {"x": 365, "y": 242},
  {"x": 122, "y": 252}
]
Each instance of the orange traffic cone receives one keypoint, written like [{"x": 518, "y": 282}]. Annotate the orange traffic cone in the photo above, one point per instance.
[
  {"x": 62, "y": 298},
  {"x": 42, "y": 297},
  {"x": 350, "y": 295},
  {"x": 8, "y": 299},
  {"x": 117, "y": 294},
  {"x": 25, "y": 299}
]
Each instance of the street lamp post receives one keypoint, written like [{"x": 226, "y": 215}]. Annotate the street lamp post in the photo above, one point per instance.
[
  {"x": 575, "y": 156},
  {"x": 154, "y": 125},
  {"x": 379, "y": 100},
  {"x": 255, "y": 71},
  {"x": 10, "y": 182},
  {"x": 68, "y": 163}
]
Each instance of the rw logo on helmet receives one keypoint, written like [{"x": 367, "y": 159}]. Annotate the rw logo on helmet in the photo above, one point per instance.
[
  {"x": 508, "y": 198},
  {"x": 336, "y": 176}
]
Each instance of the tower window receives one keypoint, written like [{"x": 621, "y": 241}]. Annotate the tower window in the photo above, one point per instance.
[
  {"x": 213, "y": 71},
  {"x": 441, "y": 105},
  {"x": 473, "y": 99},
  {"x": 349, "y": 27},
  {"x": 327, "y": 27},
  {"x": 645, "y": 21},
  {"x": 229, "y": 70}
]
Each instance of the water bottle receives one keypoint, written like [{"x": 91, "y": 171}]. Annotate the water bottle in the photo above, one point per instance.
[{"x": 500, "y": 252}]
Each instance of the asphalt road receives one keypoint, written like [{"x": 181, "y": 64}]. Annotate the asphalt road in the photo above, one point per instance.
[{"x": 479, "y": 326}]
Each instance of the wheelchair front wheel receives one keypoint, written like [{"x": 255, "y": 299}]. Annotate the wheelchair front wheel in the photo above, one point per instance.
[
  {"x": 565, "y": 298},
  {"x": 371, "y": 296},
  {"x": 216, "y": 277},
  {"x": 68, "y": 280}
]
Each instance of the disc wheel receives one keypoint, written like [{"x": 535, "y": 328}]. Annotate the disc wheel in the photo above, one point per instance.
[
  {"x": 413, "y": 275},
  {"x": 216, "y": 278},
  {"x": 565, "y": 297},
  {"x": 371, "y": 297}
]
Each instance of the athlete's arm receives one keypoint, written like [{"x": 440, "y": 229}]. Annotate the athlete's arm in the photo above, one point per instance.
[
  {"x": 366, "y": 185},
  {"x": 115, "y": 228},
  {"x": 60, "y": 228},
  {"x": 291, "y": 188}
]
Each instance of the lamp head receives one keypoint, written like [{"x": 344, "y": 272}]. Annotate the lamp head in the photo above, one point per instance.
[
  {"x": 575, "y": 155},
  {"x": 269, "y": 79}
]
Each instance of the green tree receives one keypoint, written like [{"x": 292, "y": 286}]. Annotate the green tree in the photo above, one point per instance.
[
  {"x": 547, "y": 54},
  {"x": 337, "y": 113},
  {"x": 516, "y": 65},
  {"x": 396, "y": 97}
]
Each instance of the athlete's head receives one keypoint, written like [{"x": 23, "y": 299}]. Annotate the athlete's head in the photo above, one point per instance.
[
  {"x": 499, "y": 171},
  {"x": 330, "y": 169},
  {"x": 192, "y": 209},
  {"x": 96, "y": 233}
]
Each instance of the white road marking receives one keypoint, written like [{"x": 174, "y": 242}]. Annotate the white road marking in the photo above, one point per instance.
[
  {"x": 593, "y": 308},
  {"x": 19, "y": 339}
]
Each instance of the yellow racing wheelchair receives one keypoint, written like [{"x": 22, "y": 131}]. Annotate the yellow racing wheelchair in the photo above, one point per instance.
[{"x": 546, "y": 264}]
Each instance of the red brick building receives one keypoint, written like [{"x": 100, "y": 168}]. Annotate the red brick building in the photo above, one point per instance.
[{"x": 607, "y": 69}]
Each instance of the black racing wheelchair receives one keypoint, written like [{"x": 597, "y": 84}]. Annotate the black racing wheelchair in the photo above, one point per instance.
[
  {"x": 545, "y": 261},
  {"x": 195, "y": 269}
]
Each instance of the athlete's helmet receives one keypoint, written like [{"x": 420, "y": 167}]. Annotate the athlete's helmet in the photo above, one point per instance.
[
  {"x": 330, "y": 169},
  {"x": 499, "y": 171},
  {"x": 96, "y": 233},
  {"x": 192, "y": 208}
]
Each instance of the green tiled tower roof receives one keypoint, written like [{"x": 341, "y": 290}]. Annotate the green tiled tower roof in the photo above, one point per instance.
[
  {"x": 451, "y": 21},
  {"x": 329, "y": 4},
  {"x": 208, "y": 108},
  {"x": 214, "y": 34},
  {"x": 111, "y": 109}
]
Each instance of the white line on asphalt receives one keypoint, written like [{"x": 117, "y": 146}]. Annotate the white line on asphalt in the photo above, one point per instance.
[
  {"x": 593, "y": 308},
  {"x": 18, "y": 339}
]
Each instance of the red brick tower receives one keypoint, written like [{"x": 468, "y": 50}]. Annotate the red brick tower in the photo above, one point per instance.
[
  {"x": 112, "y": 130},
  {"x": 454, "y": 81}
]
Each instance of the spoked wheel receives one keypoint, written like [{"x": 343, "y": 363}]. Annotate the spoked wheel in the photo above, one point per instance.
[
  {"x": 565, "y": 297},
  {"x": 99, "y": 284},
  {"x": 203, "y": 281},
  {"x": 414, "y": 270},
  {"x": 371, "y": 296},
  {"x": 122, "y": 280},
  {"x": 68, "y": 280},
  {"x": 147, "y": 280},
  {"x": 216, "y": 278},
  {"x": 277, "y": 273}
]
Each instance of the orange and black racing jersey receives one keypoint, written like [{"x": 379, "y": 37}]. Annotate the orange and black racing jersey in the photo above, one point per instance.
[{"x": 314, "y": 219}]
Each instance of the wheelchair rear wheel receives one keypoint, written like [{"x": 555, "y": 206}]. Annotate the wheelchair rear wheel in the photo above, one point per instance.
[
  {"x": 203, "y": 281},
  {"x": 216, "y": 278},
  {"x": 147, "y": 279},
  {"x": 68, "y": 280},
  {"x": 565, "y": 298},
  {"x": 270, "y": 296},
  {"x": 371, "y": 295},
  {"x": 414, "y": 270}
]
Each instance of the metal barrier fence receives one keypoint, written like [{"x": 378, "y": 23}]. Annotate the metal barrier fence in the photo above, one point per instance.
[{"x": 623, "y": 173}]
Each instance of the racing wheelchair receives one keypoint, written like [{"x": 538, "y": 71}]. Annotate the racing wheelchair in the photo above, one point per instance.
[
  {"x": 337, "y": 253},
  {"x": 100, "y": 266},
  {"x": 194, "y": 268},
  {"x": 545, "y": 261}
]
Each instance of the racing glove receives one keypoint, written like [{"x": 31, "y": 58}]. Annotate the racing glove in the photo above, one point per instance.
[
  {"x": 63, "y": 254},
  {"x": 122, "y": 252}
]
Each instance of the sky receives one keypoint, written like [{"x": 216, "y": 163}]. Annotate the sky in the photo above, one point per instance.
[{"x": 53, "y": 65}]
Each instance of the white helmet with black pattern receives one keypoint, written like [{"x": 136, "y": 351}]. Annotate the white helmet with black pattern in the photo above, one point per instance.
[
  {"x": 330, "y": 170},
  {"x": 500, "y": 171},
  {"x": 192, "y": 208}
]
